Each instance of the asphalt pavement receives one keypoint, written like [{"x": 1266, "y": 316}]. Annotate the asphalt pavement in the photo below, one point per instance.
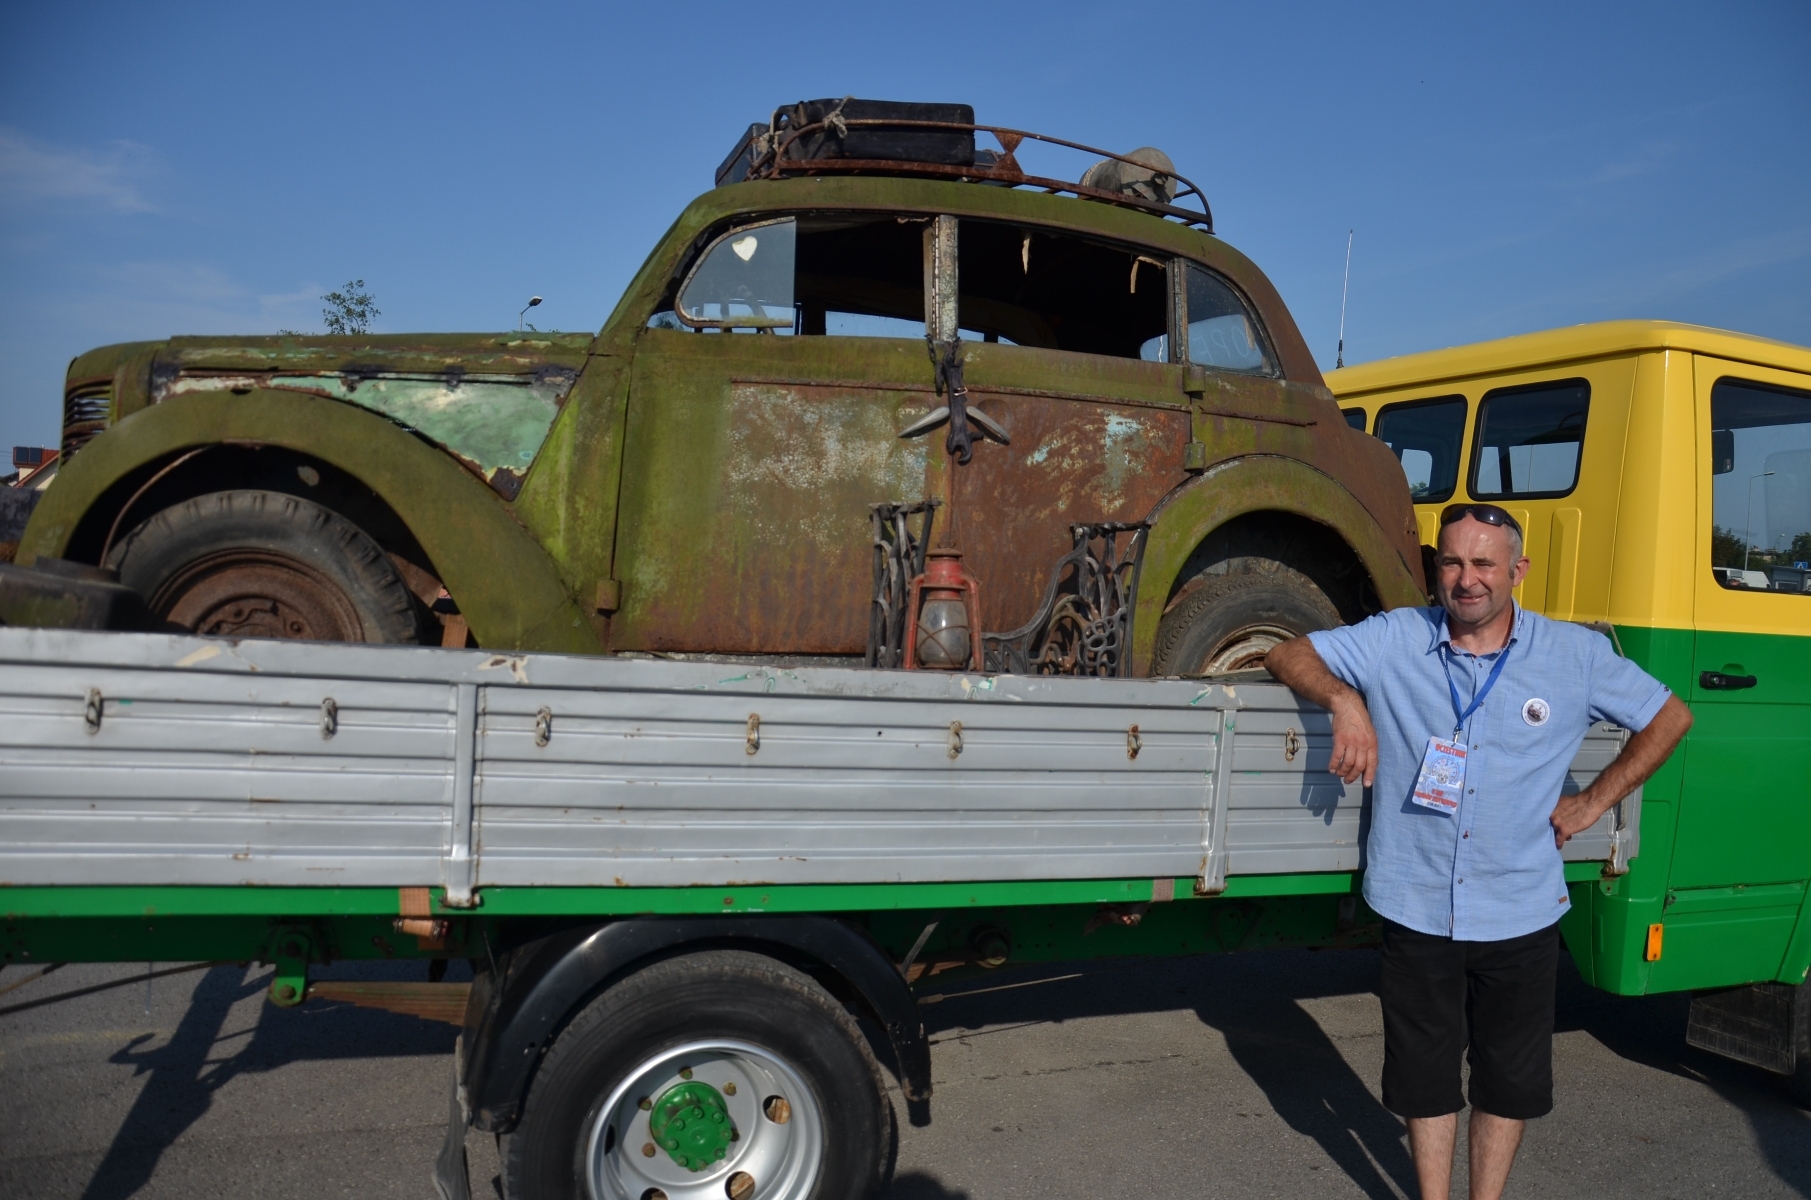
[{"x": 1234, "y": 1077}]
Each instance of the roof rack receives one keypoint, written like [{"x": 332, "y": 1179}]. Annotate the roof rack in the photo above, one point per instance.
[{"x": 768, "y": 159}]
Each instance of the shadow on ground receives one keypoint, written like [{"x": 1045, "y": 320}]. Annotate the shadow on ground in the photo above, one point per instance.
[
  {"x": 184, "y": 1073},
  {"x": 1253, "y": 999}
]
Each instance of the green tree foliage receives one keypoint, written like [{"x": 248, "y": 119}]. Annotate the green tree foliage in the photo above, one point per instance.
[
  {"x": 1725, "y": 547},
  {"x": 1800, "y": 550},
  {"x": 349, "y": 310}
]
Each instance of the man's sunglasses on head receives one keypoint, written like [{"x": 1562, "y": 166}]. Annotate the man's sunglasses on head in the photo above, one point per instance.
[{"x": 1490, "y": 514}]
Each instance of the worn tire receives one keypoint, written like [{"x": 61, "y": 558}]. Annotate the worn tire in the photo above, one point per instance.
[
  {"x": 733, "y": 995},
  {"x": 265, "y": 564},
  {"x": 1228, "y": 621}
]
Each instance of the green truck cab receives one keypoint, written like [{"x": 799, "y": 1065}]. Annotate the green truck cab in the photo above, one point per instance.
[{"x": 699, "y": 476}]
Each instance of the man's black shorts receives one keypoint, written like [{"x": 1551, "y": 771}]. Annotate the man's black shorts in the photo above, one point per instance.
[{"x": 1443, "y": 998}]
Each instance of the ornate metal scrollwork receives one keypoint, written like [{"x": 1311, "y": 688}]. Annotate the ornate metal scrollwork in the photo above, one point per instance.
[
  {"x": 1084, "y": 625},
  {"x": 898, "y": 558}
]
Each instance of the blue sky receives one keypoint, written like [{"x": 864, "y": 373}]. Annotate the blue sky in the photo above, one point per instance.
[{"x": 214, "y": 168}]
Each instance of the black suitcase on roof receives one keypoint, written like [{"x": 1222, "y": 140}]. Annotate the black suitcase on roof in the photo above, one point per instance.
[{"x": 945, "y": 147}]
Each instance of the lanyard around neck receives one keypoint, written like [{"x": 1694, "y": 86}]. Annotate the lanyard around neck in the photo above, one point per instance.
[{"x": 1460, "y": 717}]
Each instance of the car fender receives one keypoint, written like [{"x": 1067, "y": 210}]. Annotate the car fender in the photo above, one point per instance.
[
  {"x": 1250, "y": 484},
  {"x": 507, "y": 586}
]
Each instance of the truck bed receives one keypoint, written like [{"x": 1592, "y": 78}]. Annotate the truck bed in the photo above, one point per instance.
[{"x": 156, "y": 759}]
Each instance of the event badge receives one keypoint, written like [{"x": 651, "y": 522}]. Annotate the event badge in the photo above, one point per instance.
[{"x": 1442, "y": 777}]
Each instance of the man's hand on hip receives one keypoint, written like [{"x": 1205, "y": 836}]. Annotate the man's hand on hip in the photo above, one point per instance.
[
  {"x": 1297, "y": 664},
  {"x": 1638, "y": 760}
]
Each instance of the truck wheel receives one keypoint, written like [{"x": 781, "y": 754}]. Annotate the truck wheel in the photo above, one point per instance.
[
  {"x": 1230, "y": 622},
  {"x": 721, "y": 1073},
  {"x": 265, "y": 565}
]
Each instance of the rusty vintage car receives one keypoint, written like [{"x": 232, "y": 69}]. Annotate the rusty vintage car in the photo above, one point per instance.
[{"x": 1106, "y": 408}]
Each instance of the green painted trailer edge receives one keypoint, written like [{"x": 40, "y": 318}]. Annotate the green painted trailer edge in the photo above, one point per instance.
[{"x": 40, "y": 903}]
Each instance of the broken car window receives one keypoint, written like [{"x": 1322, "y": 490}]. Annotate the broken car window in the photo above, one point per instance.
[
  {"x": 861, "y": 276},
  {"x": 1426, "y": 434},
  {"x": 1057, "y": 292}
]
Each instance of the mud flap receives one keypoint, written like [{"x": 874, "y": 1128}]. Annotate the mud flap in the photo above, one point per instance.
[{"x": 1765, "y": 1024}]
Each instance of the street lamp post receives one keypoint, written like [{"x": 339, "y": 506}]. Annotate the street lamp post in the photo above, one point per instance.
[
  {"x": 1748, "y": 522},
  {"x": 532, "y": 301}
]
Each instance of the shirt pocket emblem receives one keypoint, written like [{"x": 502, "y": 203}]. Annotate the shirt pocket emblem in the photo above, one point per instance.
[{"x": 1536, "y": 711}]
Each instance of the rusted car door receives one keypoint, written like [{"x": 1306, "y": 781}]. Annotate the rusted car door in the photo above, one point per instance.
[
  {"x": 1073, "y": 363},
  {"x": 752, "y": 457}
]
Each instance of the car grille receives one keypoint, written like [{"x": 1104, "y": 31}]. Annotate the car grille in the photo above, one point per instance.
[{"x": 86, "y": 409}]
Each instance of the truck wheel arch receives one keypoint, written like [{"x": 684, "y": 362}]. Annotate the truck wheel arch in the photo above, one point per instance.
[
  {"x": 516, "y": 1011},
  {"x": 506, "y": 584},
  {"x": 1246, "y": 489}
]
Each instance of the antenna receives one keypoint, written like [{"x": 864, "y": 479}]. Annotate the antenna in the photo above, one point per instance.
[{"x": 1339, "y": 358}]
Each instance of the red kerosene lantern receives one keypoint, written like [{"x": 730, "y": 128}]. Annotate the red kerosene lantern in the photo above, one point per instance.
[{"x": 946, "y": 636}]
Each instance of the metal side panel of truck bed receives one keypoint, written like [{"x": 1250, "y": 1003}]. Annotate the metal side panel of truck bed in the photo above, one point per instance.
[{"x": 155, "y": 759}]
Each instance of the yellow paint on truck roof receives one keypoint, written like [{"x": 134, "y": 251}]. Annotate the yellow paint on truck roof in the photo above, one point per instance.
[{"x": 1532, "y": 351}]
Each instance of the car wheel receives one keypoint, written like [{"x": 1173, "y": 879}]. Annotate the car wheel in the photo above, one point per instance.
[
  {"x": 1229, "y": 622},
  {"x": 255, "y": 564},
  {"x": 714, "y": 1074}
]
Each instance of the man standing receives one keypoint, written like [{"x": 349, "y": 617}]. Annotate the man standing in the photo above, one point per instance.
[{"x": 1467, "y": 716}]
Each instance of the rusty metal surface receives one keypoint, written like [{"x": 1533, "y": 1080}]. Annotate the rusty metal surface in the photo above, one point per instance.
[
  {"x": 1070, "y": 462},
  {"x": 717, "y": 489},
  {"x": 1084, "y": 624},
  {"x": 773, "y": 162},
  {"x": 429, "y": 1001}
]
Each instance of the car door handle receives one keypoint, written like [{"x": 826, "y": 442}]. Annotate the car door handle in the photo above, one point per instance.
[{"x": 1717, "y": 681}]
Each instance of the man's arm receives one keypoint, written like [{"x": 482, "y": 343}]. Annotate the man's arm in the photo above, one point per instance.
[
  {"x": 1297, "y": 664},
  {"x": 1632, "y": 768}
]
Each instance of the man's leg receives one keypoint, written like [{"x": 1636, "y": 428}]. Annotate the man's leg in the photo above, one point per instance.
[
  {"x": 1510, "y": 1001},
  {"x": 1492, "y": 1143},
  {"x": 1431, "y": 1146},
  {"x": 1423, "y": 989}
]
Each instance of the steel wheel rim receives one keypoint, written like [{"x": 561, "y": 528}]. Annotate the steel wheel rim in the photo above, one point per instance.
[
  {"x": 784, "y": 1158},
  {"x": 1245, "y": 649},
  {"x": 260, "y": 594}
]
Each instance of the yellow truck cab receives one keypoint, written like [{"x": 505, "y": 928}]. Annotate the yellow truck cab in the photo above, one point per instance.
[{"x": 1663, "y": 475}]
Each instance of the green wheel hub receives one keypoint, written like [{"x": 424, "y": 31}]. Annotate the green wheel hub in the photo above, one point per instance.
[{"x": 691, "y": 1123}]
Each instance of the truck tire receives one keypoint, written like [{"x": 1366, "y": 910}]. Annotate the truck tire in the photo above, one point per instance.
[
  {"x": 783, "y": 1097},
  {"x": 265, "y": 565},
  {"x": 1230, "y": 621}
]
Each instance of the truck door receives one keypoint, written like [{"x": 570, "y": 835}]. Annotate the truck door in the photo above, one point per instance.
[
  {"x": 764, "y": 416},
  {"x": 1743, "y": 849}
]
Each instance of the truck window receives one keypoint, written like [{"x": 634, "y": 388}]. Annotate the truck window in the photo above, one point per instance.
[
  {"x": 1057, "y": 292},
  {"x": 856, "y": 277},
  {"x": 1355, "y": 417},
  {"x": 1426, "y": 436},
  {"x": 1529, "y": 440},
  {"x": 1760, "y": 486}
]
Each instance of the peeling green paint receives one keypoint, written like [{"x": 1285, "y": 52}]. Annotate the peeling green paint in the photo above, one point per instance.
[{"x": 490, "y": 421}]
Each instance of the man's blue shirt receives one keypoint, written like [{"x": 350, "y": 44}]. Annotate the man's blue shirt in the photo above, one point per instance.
[{"x": 1489, "y": 870}]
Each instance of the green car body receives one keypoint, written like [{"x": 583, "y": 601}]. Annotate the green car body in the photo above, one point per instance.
[{"x": 653, "y": 489}]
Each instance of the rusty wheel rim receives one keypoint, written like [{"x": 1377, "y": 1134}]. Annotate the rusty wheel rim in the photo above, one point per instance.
[
  {"x": 1245, "y": 649},
  {"x": 258, "y": 594}
]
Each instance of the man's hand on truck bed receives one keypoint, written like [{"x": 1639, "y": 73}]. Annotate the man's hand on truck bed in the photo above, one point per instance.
[{"x": 1297, "y": 665}]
